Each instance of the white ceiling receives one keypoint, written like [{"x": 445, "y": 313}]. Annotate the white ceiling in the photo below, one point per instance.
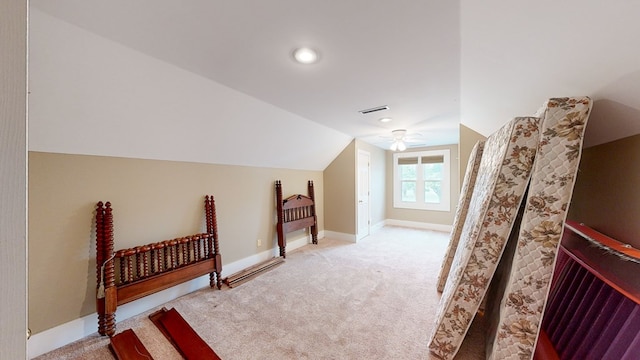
[
  {"x": 516, "y": 54},
  {"x": 402, "y": 53},
  {"x": 435, "y": 63}
]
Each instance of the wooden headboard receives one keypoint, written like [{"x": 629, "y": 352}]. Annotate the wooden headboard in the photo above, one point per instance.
[
  {"x": 294, "y": 213},
  {"x": 130, "y": 274}
]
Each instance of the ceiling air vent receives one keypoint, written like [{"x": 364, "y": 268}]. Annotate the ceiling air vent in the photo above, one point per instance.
[{"x": 368, "y": 111}]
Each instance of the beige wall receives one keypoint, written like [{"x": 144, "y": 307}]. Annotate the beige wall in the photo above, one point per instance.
[
  {"x": 13, "y": 177},
  {"x": 340, "y": 192},
  {"x": 425, "y": 216},
  {"x": 340, "y": 185},
  {"x": 606, "y": 195},
  {"x": 468, "y": 139},
  {"x": 152, "y": 200}
]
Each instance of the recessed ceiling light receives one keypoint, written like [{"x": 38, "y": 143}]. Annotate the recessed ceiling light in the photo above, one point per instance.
[
  {"x": 305, "y": 55},
  {"x": 385, "y": 120}
]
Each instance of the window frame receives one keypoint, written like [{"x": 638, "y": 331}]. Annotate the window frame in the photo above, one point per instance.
[{"x": 420, "y": 204}]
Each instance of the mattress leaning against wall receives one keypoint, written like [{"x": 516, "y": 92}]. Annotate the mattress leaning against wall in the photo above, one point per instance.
[
  {"x": 461, "y": 211},
  {"x": 552, "y": 180},
  {"x": 500, "y": 185}
]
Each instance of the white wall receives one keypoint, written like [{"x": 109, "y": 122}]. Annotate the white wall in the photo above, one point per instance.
[
  {"x": 92, "y": 96},
  {"x": 517, "y": 54}
]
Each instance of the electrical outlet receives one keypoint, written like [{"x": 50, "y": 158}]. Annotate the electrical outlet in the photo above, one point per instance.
[{"x": 259, "y": 242}]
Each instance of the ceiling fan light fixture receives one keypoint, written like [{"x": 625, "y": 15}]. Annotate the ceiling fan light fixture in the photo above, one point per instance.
[
  {"x": 305, "y": 55},
  {"x": 398, "y": 140},
  {"x": 398, "y": 134},
  {"x": 398, "y": 145}
]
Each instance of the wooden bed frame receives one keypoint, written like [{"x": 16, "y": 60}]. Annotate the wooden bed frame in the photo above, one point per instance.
[
  {"x": 130, "y": 274},
  {"x": 294, "y": 213},
  {"x": 594, "y": 302}
]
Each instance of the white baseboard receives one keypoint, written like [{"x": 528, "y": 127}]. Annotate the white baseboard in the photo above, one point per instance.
[
  {"x": 377, "y": 226},
  {"x": 64, "y": 334},
  {"x": 390, "y": 222},
  {"x": 419, "y": 225},
  {"x": 340, "y": 236},
  {"x": 77, "y": 329}
]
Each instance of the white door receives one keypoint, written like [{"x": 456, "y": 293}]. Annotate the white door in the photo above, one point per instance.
[{"x": 364, "y": 222}]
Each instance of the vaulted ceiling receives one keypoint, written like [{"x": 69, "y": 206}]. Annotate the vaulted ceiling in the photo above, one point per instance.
[
  {"x": 516, "y": 54},
  {"x": 224, "y": 68}
]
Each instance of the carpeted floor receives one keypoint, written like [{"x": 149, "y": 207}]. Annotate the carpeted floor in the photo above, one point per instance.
[{"x": 374, "y": 299}]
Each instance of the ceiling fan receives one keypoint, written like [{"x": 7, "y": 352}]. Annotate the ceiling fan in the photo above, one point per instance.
[{"x": 400, "y": 138}]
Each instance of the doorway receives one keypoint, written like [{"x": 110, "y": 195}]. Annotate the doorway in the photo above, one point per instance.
[{"x": 363, "y": 215}]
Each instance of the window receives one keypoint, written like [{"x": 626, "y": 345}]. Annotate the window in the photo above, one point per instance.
[{"x": 421, "y": 180}]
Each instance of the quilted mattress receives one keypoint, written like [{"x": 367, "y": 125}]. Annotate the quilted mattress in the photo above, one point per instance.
[
  {"x": 502, "y": 178},
  {"x": 552, "y": 180},
  {"x": 461, "y": 211}
]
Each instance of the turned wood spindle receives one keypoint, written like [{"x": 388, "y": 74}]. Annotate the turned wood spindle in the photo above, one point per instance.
[
  {"x": 205, "y": 242},
  {"x": 212, "y": 230},
  {"x": 129, "y": 254},
  {"x": 281, "y": 218},
  {"x": 173, "y": 261},
  {"x": 138, "y": 259},
  {"x": 207, "y": 210},
  {"x": 121, "y": 266},
  {"x": 156, "y": 264},
  {"x": 314, "y": 227},
  {"x": 199, "y": 245},
  {"x": 184, "y": 242},
  {"x": 166, "y": 257},
  {"x": 194, "y": 247},
  {"x": 145, "y": 260},
  {"x": 99, "y": 243},
  {"x": 99, "y": 260},
  {"x": 153, "y": 256},
  {"x": 214, "y": 227},
  {"x": 109, "y": 270}
]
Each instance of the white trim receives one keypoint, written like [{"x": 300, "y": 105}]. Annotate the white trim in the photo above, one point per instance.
[
  {"x": 360, "y": 235},
  {"x": 377, "y": 226},
  {"x": 419, "y": 225},
  {"x": 61, "y": 335},
  {"x": 420, "y": 204}
]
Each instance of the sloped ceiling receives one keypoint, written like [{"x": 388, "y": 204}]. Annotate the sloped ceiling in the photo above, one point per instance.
[
  {"x": 516, "y": 54},
  {"x": 403, "y": 54},
  {"x": 161, "y": 78}
]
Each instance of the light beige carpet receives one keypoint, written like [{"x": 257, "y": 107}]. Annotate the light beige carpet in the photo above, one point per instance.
[{"x": 375, "y": 299}]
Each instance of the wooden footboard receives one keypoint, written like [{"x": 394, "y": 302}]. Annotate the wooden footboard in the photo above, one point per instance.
[
  {"x": 130, "y": 274},
  {"x": 294, "y": 213},
  {"x": 594, "y": 304}
]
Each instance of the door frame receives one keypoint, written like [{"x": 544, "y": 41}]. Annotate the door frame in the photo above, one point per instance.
[{"x": 359, "y": 214}]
